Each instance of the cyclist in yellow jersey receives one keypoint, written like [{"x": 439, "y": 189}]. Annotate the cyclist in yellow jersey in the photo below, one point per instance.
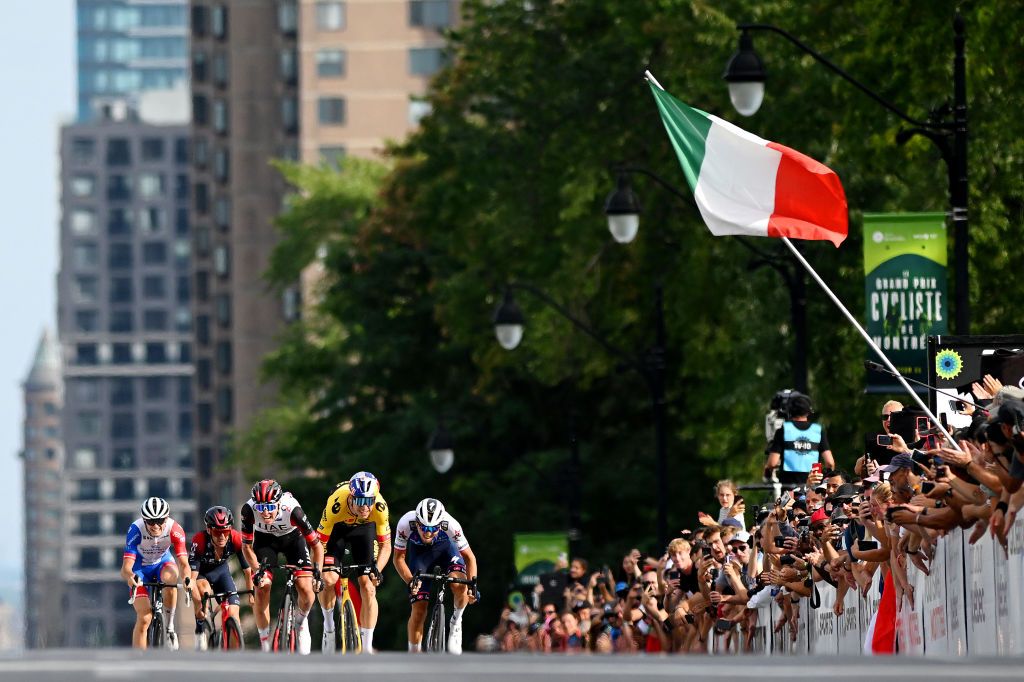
[{"x": 355, "y": 516}]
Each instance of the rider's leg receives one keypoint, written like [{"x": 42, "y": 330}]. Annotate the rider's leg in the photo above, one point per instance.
[
  {"x": 143, "y": 617},
  {"x": 169, "y": 576},
  {"x": 368, "y": 615},
  {"x": 416, "y": 620},
  {"x": 327, "y": 599}
]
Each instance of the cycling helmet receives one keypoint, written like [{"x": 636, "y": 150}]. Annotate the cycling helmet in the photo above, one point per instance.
[
  {"x": 155, "y": 508},
  {"x": 429, "y": 512},
  {"x": 267, "y": 491},
  {"x": 219, "y": 518},
  {"x": 364, "y": 484}
]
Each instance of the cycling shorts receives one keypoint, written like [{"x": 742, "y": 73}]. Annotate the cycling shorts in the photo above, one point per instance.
[
  {"x": 221, "y": 581},
  {"x": 150, "y": 573},
  {"x": 293, "y": 546},
  {"x": 358, "y": 538},
  {"x": 441, "y": 556}
]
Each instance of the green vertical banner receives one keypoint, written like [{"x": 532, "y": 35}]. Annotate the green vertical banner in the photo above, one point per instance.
[
  {"x": 904, "y": 290},
  {"x": 538, "y": 553}
]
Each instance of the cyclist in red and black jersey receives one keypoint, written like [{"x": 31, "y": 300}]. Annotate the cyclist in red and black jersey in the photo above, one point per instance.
[
  {"x": 208, "y": 558},
  {"x": 272, "y": 523}
]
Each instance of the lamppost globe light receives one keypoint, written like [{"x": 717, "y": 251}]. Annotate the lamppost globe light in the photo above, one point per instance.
[
  {"x": 508, "y": 322},
  {"x": 442, "y": 449},
  {"x": 745, "y": 75},
  {"x": 622, "y": 208}
]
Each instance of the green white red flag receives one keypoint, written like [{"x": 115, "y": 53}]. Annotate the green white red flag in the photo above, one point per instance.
[{"x": 749, "y": 186}]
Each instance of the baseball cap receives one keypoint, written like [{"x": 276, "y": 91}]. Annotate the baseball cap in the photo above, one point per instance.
[
  {"x": 742, "y": 536},
  {"x": 900, "y": 461},
  {"x": 735, "y": 523},
  {"x": 818, "y": 516},
  {"x": 846, "y": 491}
]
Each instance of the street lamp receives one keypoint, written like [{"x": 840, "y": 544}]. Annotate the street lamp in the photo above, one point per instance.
[
  {"x": 442, "y": 449},
  {"x": 947, "y": 130},
  {"x": 623, "y": 211},
  {"x": 508, "y": 326}
]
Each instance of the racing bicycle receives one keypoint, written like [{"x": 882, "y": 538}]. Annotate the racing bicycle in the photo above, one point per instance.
[
  {"x": 229, "y": 634},
  {"x": 351, "y": 638},
  {"x": 437, "y": 642}
]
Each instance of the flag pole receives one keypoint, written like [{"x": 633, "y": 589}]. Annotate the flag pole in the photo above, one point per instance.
[
  {"x": 650, "y": 76},
  {"x": 839, "y": 304}
]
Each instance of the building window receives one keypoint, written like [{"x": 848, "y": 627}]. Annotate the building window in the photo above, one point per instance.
[
  {"x": 119, "y": 222},
  {"x": 122, "y": 321},
  {"x": 183, "y": 289},
  {"x": 154, "y": 286},
  {"x": 86, "y": 289},
  {"x": 219, "y": 21},
  {"x": 220, "y": 69},
  {"x": 291, "y": 301},
  {"x": 199, "y": 21},
  {"x": 202, "y": 239},
  {"x": 330, "y": 63},
  {"x": 223, "y": 357},
  {"x": 119, "y": 187},
  {"x": 331, "y": 110},
  {"x": 185, "y": 391},
  {"x": 154, "y": 388},
  {"x": 121, "y": 354},
  {"x": 89, "y": 559},
  {"x": 123, "y": 458},
  {"x": 156, "y": 423},
  {"x": 86, "y": 390},
  {"x": 290, "y": 114},
  {"x": 221, "y": 164},
  {"x": 154, "y": 253},
  {"x": 200, "y": 153},
  {"x": 330, "y": 16},
  {"x": 199, "y": 65},
  {"x": 222, "y": 310},
  {"x": 119, "y": 152},
  {"x": 288, "y": 66},
  {"x": 124, "y": 489},
  {"x": 202, "y": 329},
  {"x": 122, "y": 391},
  {"x": 83, "y": 185},
  {"x": 83, "y": 222},
  {"x": 181, "y": 186},
  {"x": 156, "y": 353},
  {"x": 85, "y": 255},
  {"x": 220, "y": 116},
  {"x": 181, "y": 150},
  {"x": 183, "y": 320},
  {"x": 87, "y": 320},
  {"x": 83, "y": 149},
  {"x": 87, "y": 354},
  {"x": 152, "y": 220},
  {"x": 87, "y": 423},
  {"x": 122, "y": 425},
  {"x": 120, "y": 256},
  {"x": 185, "y": 433},
  {"x": 204, "y": 418},
  {"x": 200, "y": 110},
  {"x": 221, "y": 260},
  {"x": 159, "y": 487},
  {"x": 429, "y": 13},
  {"x": 418, "y": 109},
  {"x": 152, "y": 149},
  {"x": 202, "y": 195},
  {"x": 154, "y": 320},
  {"x": 222, "y": 212},
  {"x": 84, "y": 458},
  {"x": 151, "y": 185},
  {"x": 287, "y": 16},
  {"x": 425, "y": 61},
  {"x": 224, "y": 404},
  {"x": 203, "y": 373},
  {"x": 332, "y": 156}
]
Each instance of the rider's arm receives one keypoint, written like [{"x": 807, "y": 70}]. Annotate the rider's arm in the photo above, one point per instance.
[
  {"x": 299, "y": 520},
  {"x": 131, "y": 546},
  {"x": 470, "y": 558},
  {"x": 383, "y": 527},
  {"x": 126, "y": 569},
  {"x": 248, "y": 520},
  {"x": 180, "y": 552},
  {"x": 403, "y": 568}
]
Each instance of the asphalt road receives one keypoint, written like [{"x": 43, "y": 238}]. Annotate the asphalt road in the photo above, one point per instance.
[{"x": 252, "y": 667}]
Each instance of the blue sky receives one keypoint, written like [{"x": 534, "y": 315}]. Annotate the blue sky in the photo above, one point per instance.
[{"x": 37, "y": 70}]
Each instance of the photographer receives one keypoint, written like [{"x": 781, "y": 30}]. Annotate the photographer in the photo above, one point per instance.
[
  {"x": 798, "y": 444},
  {"x": 877, "y": 455}
]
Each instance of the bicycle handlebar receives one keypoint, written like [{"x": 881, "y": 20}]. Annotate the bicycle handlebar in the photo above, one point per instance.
[
  {"x": 220, "y": 596},
  {"x": 156, "y": 585},
  {"x": 446, "y": 578},
  {"x": 354, "y": 569}
]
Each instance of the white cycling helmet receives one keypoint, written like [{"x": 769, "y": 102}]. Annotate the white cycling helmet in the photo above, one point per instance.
[
  {"x": 429, "y": 512},
  {"x": 155, "y": 508}
]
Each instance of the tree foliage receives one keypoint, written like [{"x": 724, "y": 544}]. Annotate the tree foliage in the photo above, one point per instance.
[{"x": 505, "y": 181}]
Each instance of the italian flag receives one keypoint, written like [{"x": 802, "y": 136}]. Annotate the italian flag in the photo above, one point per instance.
[{"x": 749, "y": 186}]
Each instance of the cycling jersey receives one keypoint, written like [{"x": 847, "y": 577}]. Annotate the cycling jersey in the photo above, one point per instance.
[
  {"x": 289, "y": 519},
  {"x": 450, "y": 530},
  {"x": 202, "y": 555},
  {"x": 149, "y": 550},
  {"x": 338, "y": 511}
]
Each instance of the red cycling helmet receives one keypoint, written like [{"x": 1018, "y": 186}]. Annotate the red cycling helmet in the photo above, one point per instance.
[
  {"x": 267, "y": 491},
  {"x": 219, "y": 518}
]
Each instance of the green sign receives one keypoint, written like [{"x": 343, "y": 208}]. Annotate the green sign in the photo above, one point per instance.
[
  {"x": 538, "y": 553},
  {"x": 904, "y": 290}
]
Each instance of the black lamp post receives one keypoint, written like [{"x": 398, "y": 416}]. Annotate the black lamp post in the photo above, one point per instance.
[
  {"x": 947, "y": 130},
  {"x": 508, "y": 328},
  {"x": 441, "y": 448}
]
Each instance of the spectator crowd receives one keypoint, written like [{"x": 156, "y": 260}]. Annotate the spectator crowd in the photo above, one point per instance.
[{"x": 856, "y": 530}]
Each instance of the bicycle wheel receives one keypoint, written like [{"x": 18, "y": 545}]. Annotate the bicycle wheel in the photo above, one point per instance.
[
  {"x": 284, "y": 636},
  {"x": 232, "y": 638},
  {"x": 155, "y": 634},
  {"x": 435, "y": 634},
  {"x": 351, "y": 638},
  {"x": 211, "y": 633}
]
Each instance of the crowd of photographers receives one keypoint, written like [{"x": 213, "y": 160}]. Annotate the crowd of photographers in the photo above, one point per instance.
[{"x": 855, "y": 531}]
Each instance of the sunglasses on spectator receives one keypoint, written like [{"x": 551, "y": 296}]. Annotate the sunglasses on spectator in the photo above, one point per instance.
[
  {"x": 885, "y": 417},
  {"x": 740, "y": 547},
  {"x": 549, "y": 612},
  {"x": 265, "y": 507},
  {"x": 362, "y": 501}
]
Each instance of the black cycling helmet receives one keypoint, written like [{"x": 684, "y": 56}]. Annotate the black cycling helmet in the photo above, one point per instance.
[{"x": 219, "y": 518}]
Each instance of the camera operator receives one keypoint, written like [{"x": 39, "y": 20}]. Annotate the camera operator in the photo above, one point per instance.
[
  {"x": 798, "y": 444},
  {"x": 868, "y": 463}
]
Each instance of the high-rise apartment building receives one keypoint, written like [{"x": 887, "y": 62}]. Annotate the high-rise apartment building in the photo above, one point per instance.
[
  {"x": 293, "y": 79},
  {"x": 42, "y": 457},
  {"x": 125, "y": 328},
  {"x": 126, "y": 47}
]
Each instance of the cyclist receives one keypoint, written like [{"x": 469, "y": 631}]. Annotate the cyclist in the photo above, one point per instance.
[
  {"x": 272, "y": 522},
  {"x": 354, "y": 511},
  {"x": 155, "y": 543},
  {"x": 430, "y": 538},
  {"x": 208, "y": 558}
]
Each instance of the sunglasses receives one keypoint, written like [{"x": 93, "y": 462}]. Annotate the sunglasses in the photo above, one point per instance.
[
  {"x": 740, "y": 547},
  {"x": 549, "y": 613},
  {"x": 362, "y": 501},
  {"x": 885, "y": 417},
  {"x": 429, "y": 529},
  {"x": 265, "y": 507},
  {"x": 220, "y": 532},
  {"x": 155, "y": 522}
]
